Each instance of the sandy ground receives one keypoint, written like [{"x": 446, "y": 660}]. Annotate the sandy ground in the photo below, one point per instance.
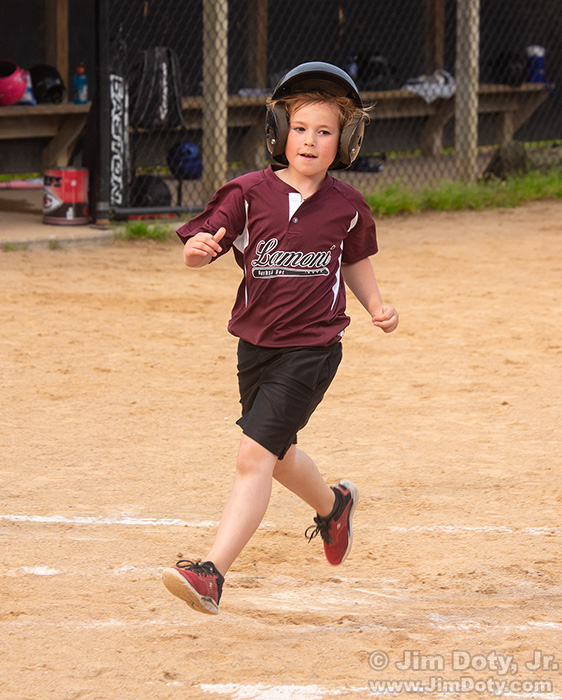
[{"x": 118, "y": 440}]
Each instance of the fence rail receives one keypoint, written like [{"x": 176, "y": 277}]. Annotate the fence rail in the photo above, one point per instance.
[{"x": 450, "y": 80}]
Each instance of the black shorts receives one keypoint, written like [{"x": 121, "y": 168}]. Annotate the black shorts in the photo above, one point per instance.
[{"x": 280, "y": 388}]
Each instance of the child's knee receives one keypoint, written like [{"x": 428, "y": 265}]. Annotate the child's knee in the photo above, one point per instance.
[{"x": 253, "y": 458}]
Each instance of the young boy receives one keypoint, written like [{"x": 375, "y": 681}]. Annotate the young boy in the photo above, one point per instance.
[{"x": 295, "y": 232}]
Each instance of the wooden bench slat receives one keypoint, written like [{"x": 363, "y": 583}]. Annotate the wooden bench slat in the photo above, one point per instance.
[{"x": 62, "y": 123}]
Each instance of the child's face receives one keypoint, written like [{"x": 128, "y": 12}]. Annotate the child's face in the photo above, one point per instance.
[{"x": 313, "y": 139}]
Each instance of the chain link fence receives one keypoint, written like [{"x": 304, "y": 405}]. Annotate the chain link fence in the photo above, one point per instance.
[{"x": 451, "y": 81}]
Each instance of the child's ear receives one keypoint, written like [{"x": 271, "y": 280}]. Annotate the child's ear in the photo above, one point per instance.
[{"x": 276, "y": 132}]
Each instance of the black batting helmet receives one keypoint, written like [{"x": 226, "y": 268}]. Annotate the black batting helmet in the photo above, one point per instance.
[
  {"x": 48, "y": 86},
  {"x": 325, "y": 77}
]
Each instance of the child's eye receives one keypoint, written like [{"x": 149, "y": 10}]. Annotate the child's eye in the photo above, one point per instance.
[{"x": 325, "y": 132}]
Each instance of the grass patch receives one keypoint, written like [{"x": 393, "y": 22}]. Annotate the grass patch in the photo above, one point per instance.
[
  {"x": 24, "y": 176},
  {"x": 142, "y": 230},
  {"x": 455, "y": 196}
]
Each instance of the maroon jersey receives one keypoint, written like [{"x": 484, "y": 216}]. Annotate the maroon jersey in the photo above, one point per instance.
[{"x": 291, "y": 251}]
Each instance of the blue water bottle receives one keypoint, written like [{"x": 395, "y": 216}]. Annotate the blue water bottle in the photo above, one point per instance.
[
  {"x": 80, "y": 86},
  {"x": 535, "y": 64}
]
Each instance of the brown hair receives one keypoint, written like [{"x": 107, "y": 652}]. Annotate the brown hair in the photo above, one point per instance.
[{"x": 347, "y": 108}]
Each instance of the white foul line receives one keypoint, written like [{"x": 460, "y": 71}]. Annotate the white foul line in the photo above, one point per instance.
[
  {"x": 502, "y": 529},
  {"x": 124, "y": 520},
  {"x": 168, "y": 522}
]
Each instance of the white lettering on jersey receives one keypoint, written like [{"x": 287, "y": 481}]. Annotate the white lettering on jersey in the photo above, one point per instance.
[{"x": 271, "y": 262}]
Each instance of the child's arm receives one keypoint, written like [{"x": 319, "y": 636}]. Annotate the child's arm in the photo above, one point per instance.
[
  {"x": 360, "y": 278},
  {"x": 200, "y": 249}
]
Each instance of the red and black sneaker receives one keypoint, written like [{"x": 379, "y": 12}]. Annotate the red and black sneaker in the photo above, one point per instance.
[
  {"x": 335, "y": 529},
  {"x": 199, "y": 584}
]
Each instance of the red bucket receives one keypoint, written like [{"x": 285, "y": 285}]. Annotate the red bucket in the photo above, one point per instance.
[{"x": 65, "y": 197}]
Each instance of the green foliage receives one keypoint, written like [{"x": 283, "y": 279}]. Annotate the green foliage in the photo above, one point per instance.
[
  {"x": 8, "y": 177},
  {"x": 455, "y": 196},
  {"x": 135, "y": 230}
]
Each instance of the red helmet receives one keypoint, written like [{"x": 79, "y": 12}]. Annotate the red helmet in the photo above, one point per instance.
[{"x": 12, "y": 83}]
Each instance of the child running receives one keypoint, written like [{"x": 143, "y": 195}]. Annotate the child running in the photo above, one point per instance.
[{"x": 298, "y": 234}]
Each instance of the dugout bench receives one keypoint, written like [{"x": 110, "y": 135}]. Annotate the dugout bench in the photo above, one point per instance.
[
  {"x": 512, "y": 107},
  {"x": 61, "y": 125}
]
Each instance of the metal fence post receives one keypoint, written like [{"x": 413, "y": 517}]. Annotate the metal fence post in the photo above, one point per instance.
[
  {"x": 467, "y": 77},
  {"x": 231, "y": 53},
  {"x": 215, "y": 95}
]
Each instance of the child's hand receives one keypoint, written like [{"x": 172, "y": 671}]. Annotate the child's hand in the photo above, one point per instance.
[
  {"x": 199, "y": 248},
  {"x": 386, "y": 318}
]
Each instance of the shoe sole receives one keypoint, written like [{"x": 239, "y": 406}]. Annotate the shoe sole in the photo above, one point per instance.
[
  {"x": 179, "y": 586},
  {"x": 354, "y": 500}
]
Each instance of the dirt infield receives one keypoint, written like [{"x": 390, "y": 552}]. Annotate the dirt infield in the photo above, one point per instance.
[{"x": 118, "y": 440}]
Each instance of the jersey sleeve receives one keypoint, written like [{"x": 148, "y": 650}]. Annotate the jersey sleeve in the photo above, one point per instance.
[
  {"x": 361, "y": 241},
  {"x": 226, "y": 208}
]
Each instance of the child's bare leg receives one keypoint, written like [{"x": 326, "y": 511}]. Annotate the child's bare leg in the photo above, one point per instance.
[
  {"x": 246, "y": 504},
  {"x": 297, "y": 472}
]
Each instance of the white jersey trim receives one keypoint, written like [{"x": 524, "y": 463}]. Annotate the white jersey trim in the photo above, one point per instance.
[
  {"x": 295, "y": 200},
  {"x": 336, "y": 287},
  {"x": 241, "y": 243}
]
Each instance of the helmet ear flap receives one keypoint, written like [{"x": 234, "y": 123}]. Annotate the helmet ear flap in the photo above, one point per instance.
[
  {"x": 350, "y": 144},
  {"x": 276, "y": 132}
]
